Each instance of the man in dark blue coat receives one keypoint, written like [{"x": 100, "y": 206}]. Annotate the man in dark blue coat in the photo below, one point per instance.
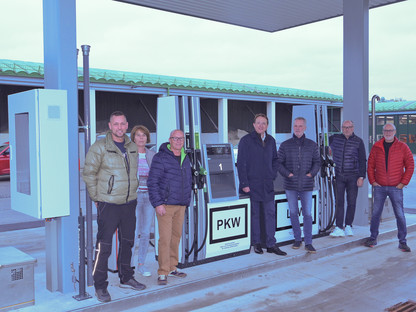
[
  {"x": 170, "y": 187},
  {"x": 257, "y": 168},
  {"x": 298, "y": 163},
  {"x": 349, "y": 155}
]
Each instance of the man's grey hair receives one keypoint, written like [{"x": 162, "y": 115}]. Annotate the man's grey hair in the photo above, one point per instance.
[
  {"x": 348, "y": 121},
  {"x": 389, "y": 123},
  {"x": 301, "y": 118},
  {"x": 171, "y": 133}
]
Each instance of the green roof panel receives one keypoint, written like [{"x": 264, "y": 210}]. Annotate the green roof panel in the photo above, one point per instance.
[{"x": 30, "y": 69}]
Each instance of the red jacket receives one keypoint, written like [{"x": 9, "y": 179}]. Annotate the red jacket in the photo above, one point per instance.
[{"x": 400, "y": 164}]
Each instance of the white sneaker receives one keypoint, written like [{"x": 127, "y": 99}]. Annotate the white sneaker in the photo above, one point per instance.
[
  {"x": 143, "y": 271},
  {"x": 337, "y": 232},
  {"x": 348, "y": 231}
]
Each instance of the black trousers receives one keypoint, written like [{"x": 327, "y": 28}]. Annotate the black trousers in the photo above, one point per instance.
[
  {"x": 348, "y": 185},
  {"x": 109, "y": 218}
]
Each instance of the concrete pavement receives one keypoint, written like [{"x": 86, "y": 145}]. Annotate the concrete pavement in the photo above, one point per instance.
[{"x": 199, "y": 277}]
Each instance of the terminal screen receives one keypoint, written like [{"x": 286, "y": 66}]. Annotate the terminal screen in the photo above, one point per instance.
[
  {"x": 221, "y": 170},
  {"x": 22, "y": 153}
]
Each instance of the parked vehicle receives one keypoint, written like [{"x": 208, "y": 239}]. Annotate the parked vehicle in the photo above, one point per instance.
[{"x": 5, "y": 159}]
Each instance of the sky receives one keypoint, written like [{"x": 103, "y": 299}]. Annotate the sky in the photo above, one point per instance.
[{"x": 132, "y": 38}]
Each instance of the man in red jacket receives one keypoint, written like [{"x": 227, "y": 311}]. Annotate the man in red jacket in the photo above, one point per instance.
[{"x": 390, "y": 168}]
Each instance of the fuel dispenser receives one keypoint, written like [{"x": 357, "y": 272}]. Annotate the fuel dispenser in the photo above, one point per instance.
[
  {"x": 228, "y": 216},
  {"x": 217, "y": 223}
]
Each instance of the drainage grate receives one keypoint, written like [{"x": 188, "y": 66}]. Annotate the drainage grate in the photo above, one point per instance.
[
  {"x": 17, "y": 274},
  {"x": 409, "y": 306}
]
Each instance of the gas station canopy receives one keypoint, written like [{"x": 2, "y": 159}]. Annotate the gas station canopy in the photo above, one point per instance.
[{"x": 266, "y": 15}]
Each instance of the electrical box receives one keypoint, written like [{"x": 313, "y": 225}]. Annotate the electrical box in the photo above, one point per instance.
[
  {"x": 221, "y": 178},
  {"x": 39, "y": 162},
  {"x": 16, "y": 279}
]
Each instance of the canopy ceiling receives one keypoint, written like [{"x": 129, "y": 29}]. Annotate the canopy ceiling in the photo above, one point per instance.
[{"x": 266, "y": 15}]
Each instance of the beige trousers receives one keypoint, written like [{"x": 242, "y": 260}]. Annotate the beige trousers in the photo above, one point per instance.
[{"x": 170, "y": 232}]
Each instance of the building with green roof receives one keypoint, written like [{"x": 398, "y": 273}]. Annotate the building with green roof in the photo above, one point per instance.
[
  {"x": 402, "y": 114},
  {"x": 136, "y": 94}
]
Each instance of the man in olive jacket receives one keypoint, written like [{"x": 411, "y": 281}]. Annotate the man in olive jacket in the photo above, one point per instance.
[
  {"x": 299, "y": 162},
  {"x": 110, "y": 175}
]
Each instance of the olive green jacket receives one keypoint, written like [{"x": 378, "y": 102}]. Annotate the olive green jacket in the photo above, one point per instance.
[{"x": 108, "y": 175}]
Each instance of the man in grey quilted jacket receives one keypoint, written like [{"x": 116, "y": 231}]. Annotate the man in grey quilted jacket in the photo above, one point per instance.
[
  {"x": 110, "y": 175},
  {"x": 299, "y": 162}
]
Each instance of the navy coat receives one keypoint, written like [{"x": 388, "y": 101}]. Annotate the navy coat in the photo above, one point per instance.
[
  {"x": 257, "y": 165},
  {"x": 169, "y": 182},
  {"x": 299, "y": 156}
]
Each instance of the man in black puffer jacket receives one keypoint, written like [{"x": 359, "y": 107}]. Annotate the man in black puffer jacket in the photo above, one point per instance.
[
  {"x": 350, "y": 160},
  {"x": 170, "y": 187},
  {"x": 299, "y": 162}
]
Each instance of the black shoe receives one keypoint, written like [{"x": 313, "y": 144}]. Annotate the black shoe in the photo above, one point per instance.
[
  {"x": 403, "y": 247},
  {"x": 176, "y": 273},
  {"x": 102, "y": 295},
  {"x": 369, "y": 242},
  {"x": 132, "y": 284},
  {"x": 309, "y": 248},
  {"x": 276, "y": 250},
  {"x": 258, "y": 249},
  {"x": 297, "y": 244}
]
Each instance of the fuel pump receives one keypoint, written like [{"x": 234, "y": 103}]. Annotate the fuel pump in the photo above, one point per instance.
[
  {"x": 327, "y": 173},
  {"x": 198, "y": 176}
]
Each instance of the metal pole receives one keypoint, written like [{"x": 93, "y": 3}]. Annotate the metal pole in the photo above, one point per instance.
[
  {"x": 87, "y": 138},
  {"x": 82, "y": 294},
  {"x": 373, "y": 139},
  {"x": 373, "y": 114}
]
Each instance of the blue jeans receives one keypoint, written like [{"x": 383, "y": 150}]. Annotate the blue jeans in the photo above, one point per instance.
[
  {"x": 346, "y": 184},
  {"x": 145, "y": 215},
  {"x": 396, "y": 197},
  {"x": 269, "y": 222},
  {"x": 306, "y": 202}
]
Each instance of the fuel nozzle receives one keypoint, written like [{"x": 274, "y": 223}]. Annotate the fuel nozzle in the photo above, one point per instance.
[
  {"x": 202, "y": 171},
  {"x": 202, "y": 177}
]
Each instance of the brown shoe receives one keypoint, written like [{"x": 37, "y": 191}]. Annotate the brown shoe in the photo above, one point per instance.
[{"x": 162, "y": 280}]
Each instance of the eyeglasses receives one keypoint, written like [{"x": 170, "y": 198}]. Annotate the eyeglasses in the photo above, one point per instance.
[
  {"x": 388, "y": 130},
  {"x": 347, "y": 127},
  {"x": 176, "y": 139}
]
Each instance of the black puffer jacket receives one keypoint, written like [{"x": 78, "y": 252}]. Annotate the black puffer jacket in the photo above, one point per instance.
[
  {"x": 349, "y": 154},
  {"x": 299, "y": 156}
]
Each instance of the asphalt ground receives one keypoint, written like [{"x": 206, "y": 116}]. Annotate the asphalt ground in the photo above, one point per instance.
[{"x": 217, "y": 275}]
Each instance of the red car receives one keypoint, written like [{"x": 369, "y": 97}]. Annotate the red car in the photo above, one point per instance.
[{"x": 5, "y": 159}]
